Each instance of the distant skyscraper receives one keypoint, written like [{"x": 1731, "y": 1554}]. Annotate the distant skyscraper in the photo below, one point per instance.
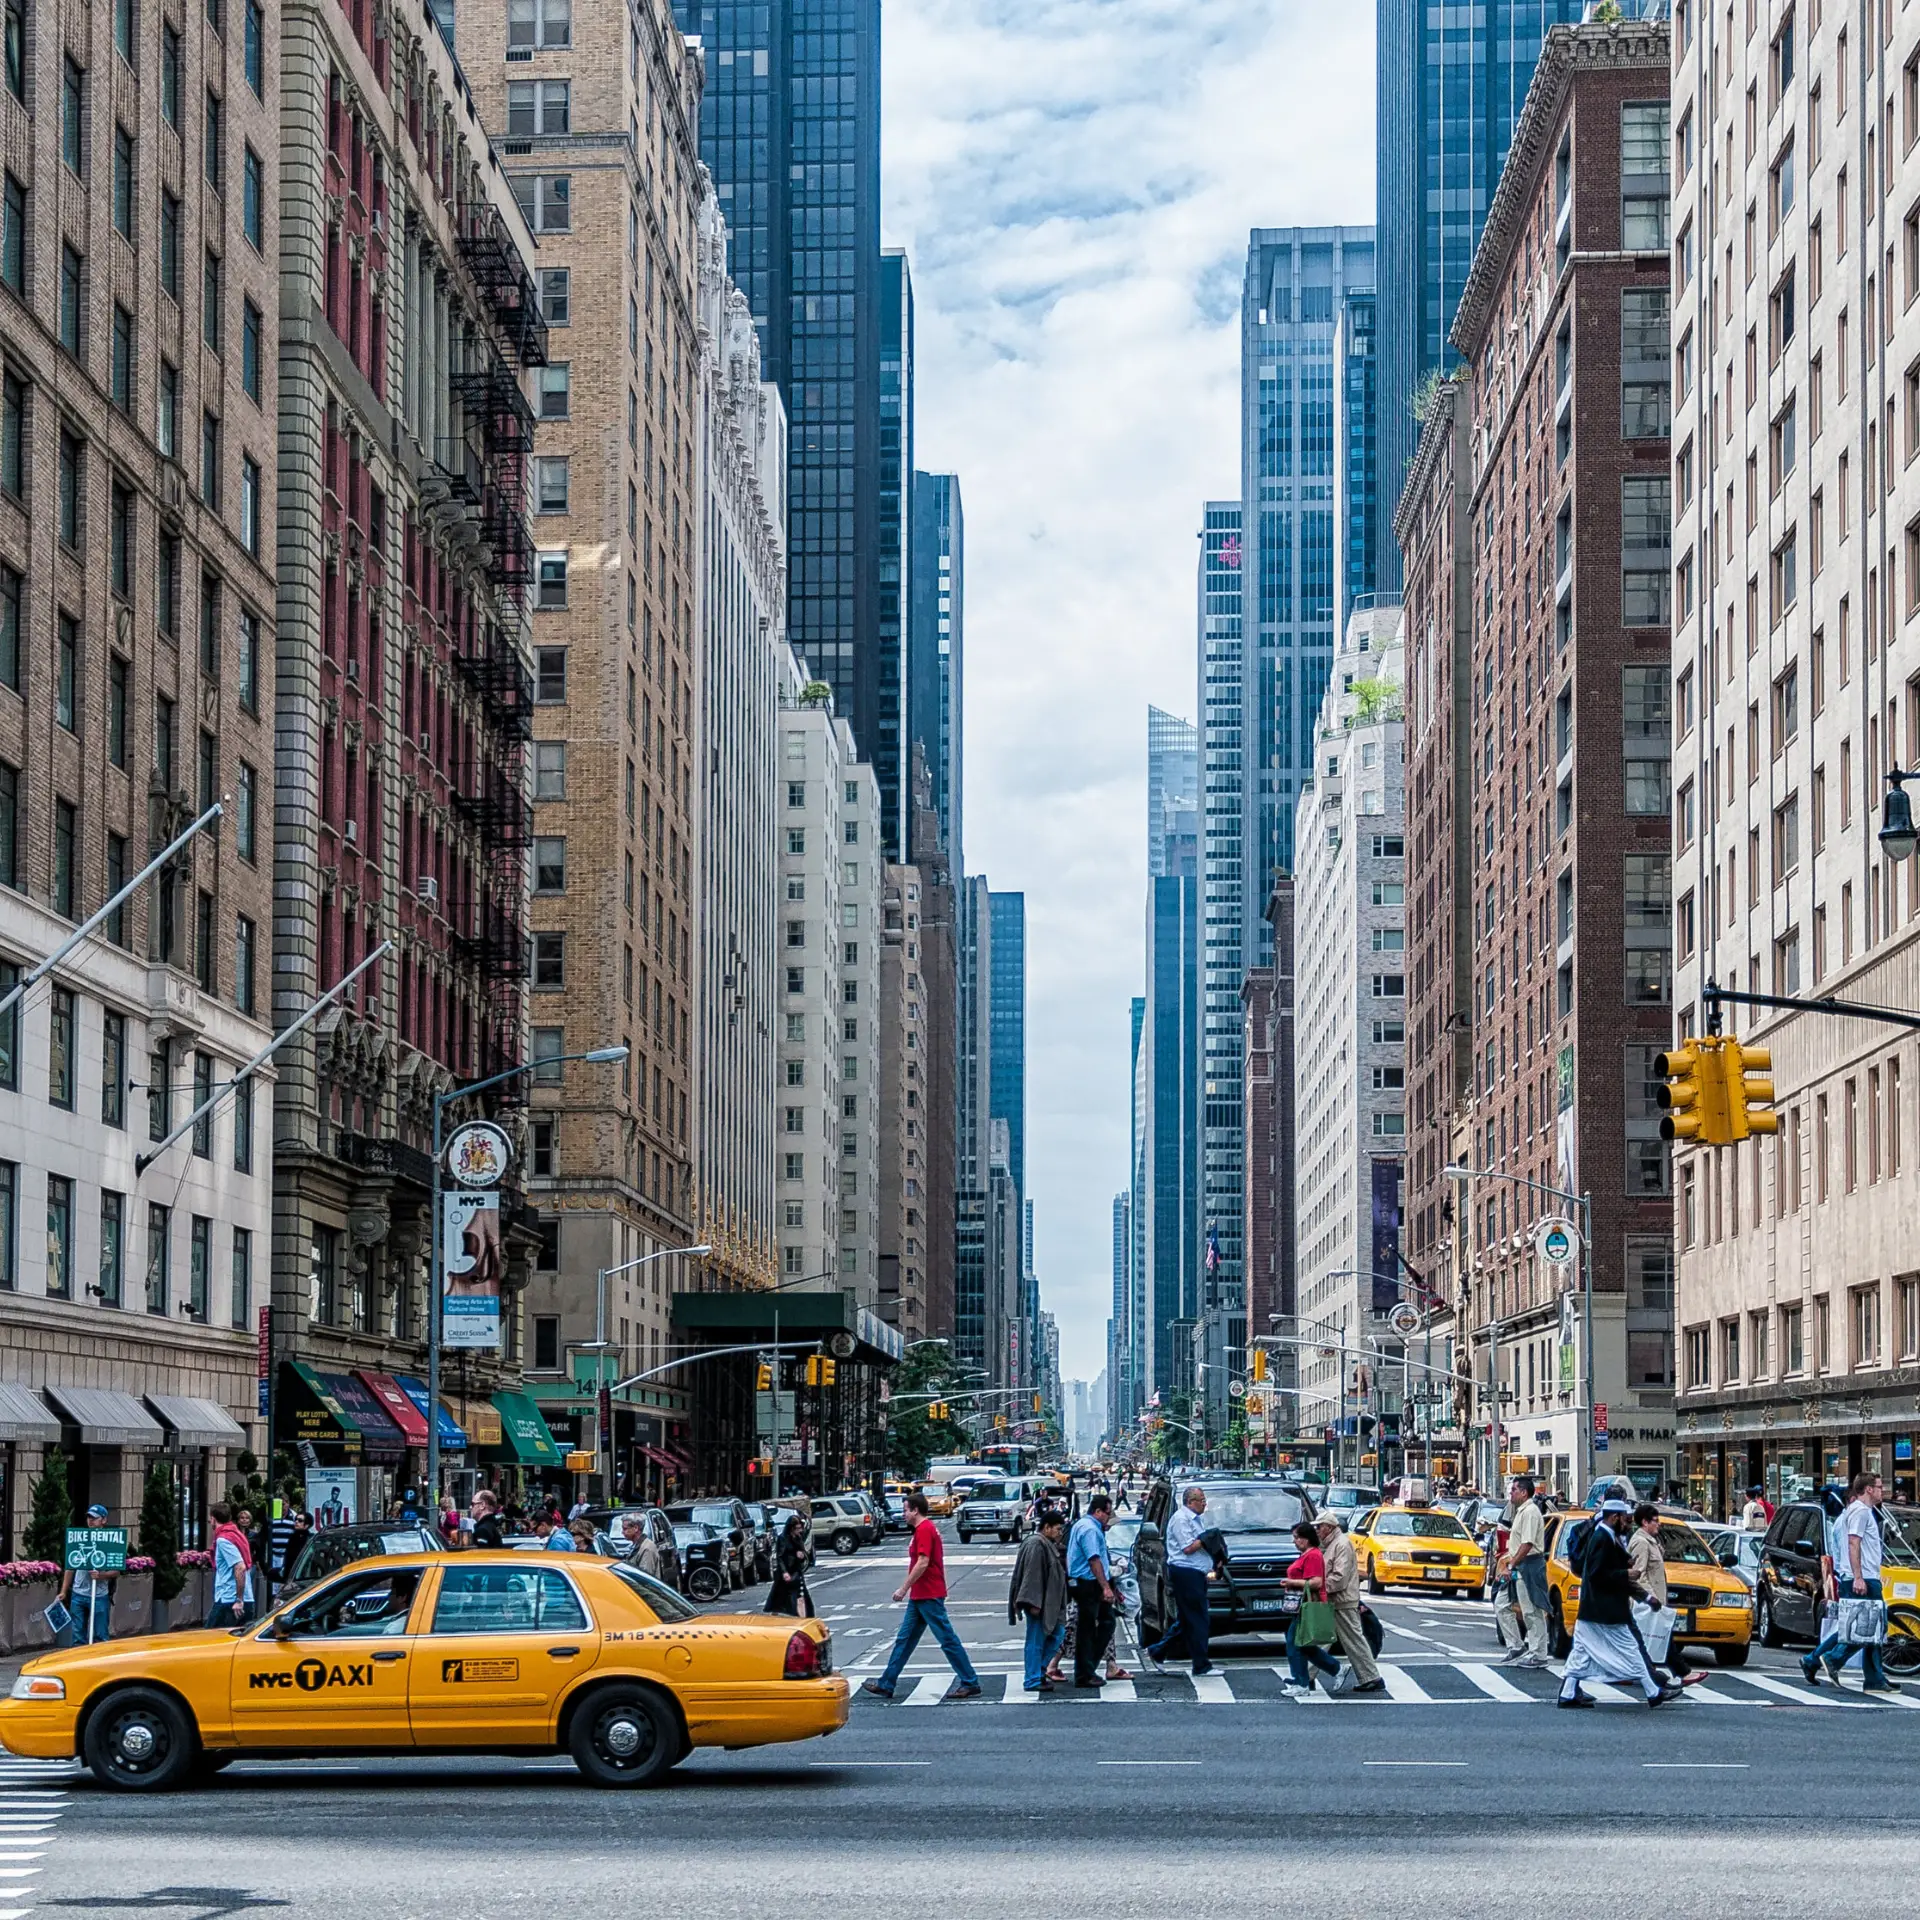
[
  {"x": 1135, "y": 1393},
  {"x": 1008, "y": 1023},
  {"x": 973, "y": 1119},
  {"x": 1171, "y": 1091},
  {"x": 934, "y": 637},
  {"x": 790, "y": 129},
  {"x": 888, "y": 749},
  {"x": 1447, "y": 97},
  {"x": 1304, "y": 329},
  {"x": 1173, "y": 783},
  {"x": 1117, "y": 1342}
]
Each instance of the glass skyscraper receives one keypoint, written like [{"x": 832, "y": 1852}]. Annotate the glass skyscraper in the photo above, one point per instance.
[
  {"x": 790, "y": 129},
  {"x": 1305, "y": 327},
  {"x": 1449, "y": 82},
  {"x": 1007, "y": 1023},
  {"x": 935, "y": 643},
  {"x": 887, "y": 748}
]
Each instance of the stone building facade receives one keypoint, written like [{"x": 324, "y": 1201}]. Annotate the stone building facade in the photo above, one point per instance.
[
  {"x": 139, "y": 319},
  {"x": 404, "y": 700},
  {"x": 905, "y": 1103}
]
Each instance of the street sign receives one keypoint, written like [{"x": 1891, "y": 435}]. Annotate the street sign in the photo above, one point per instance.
[
  {"x": 1602, "y": 1439},
  {"x": 96, "y": 1550},
  {"x": 1556, "y": 1242}
]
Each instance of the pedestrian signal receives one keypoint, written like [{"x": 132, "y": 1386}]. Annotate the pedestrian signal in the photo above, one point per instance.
[
  {"x": 1694, "y": 1093},
  {"x": 1259, "y": 1363},
  {"x": 1000, "y": 1421},
  {"x": 1749, "y": 1100}
]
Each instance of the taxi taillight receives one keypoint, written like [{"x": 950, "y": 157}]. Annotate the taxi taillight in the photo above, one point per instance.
[{"x": 807, "y": 1658}]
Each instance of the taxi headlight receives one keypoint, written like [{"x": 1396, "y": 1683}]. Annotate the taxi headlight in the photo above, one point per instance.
[
  {"x": 1741, "y": 1600},
  {"x": 39, "y": 1686},
  {"x": 1470, "y": 1561},
  {"x": 1398, "y": 1559}
]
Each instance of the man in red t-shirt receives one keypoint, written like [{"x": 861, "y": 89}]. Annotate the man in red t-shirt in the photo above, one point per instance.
[{"x": 925, "y": 1592}]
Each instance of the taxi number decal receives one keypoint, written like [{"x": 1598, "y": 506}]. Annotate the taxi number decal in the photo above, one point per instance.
[
  {"x": 310, "y": 1676},
  {"x": 456, "y": 1670}
]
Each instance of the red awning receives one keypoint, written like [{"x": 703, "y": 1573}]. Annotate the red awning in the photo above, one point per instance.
[
  {"x": 661, "y": 1459},
  {"x": 399, "y": 1404}
]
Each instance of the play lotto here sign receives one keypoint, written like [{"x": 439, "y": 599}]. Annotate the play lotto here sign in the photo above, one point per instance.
[{"x": 96, "y": 1549}]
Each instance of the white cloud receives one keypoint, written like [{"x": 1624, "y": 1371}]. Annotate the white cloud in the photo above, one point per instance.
[{"x": 1074, "y": 181}]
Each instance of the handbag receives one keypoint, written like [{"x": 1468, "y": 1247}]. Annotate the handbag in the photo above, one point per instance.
[
  {"x": 1317, "y": 1625},
  {"x": 1656, "y": 1625},
  {"x": 1863, "y": 1623}
]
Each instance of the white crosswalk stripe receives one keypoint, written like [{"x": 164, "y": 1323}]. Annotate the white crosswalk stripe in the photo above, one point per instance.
[
  {"x": 1496, "y": 1686},
  {"x": 1402, "y": 1686},
  {"x": 32, "y": 1799},
  {"x": 1212, "y": 1689}
]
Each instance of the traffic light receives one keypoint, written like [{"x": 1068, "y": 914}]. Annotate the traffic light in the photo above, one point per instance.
[
  {"x": 937, "y": 1411},
  {"x": 1036, "y": 1403},
  {"x": 1695, "y": 1093},
  {"x": 813, "y": 1369},
  {"x": 1749, "y": 1101},
  {"x": 1000, "y": 1421},
  {"x": 826, "y": 1371},
  {"x": 763, "y": 1380},
  {"x": 1259, "y": 1363}
]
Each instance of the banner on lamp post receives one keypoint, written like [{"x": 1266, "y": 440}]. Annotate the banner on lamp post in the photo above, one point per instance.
[{"x": 472, "y": 1258}]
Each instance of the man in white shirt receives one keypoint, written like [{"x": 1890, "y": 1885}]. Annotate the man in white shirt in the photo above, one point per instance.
[
  {"x": 1189, "y": 1566},
  {"x": 1856, "y": 1569},
  {"x": 1526, "y": 1559}
]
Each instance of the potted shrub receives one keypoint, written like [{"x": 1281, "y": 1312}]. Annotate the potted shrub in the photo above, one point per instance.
[{"x": 160, "y": 1541}]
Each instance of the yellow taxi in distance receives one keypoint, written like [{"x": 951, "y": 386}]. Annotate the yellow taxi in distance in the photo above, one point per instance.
[
  {"x": 1715, "y": 1605},
  {"x": 485, "y": 1652},
  {"x": 1416, "y": 1547},
  {"x": 940, "y": 1498}
]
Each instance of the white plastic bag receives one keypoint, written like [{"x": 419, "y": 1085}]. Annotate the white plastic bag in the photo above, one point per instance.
[{"x": 1656, "y": 1625}]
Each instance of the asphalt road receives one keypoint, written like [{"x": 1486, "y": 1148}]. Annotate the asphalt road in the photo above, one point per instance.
[{"x": 1448, "y": 1798}]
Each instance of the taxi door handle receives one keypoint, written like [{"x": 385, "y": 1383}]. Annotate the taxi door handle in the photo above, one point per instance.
[
  {"x": 392, "y": 1654},
  {"x": 561, "y": 1653}
]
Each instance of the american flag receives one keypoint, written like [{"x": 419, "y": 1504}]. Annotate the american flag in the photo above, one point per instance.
[{"x": 1213, "y": 1251}]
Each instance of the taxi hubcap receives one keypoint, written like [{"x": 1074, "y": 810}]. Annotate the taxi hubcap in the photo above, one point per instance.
[
  {"x": 623, "y": 1739},
  {"x": 137, "y": 1742}
]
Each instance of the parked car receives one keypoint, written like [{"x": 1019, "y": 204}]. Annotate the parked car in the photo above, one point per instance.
[
  {"x": 875, "y": 1510},
  {"x": 659, "y": 1530},
  {"x": 327, "y": 1552},
  {"x": 1789, "y": 1599},
  {"x": 1257, "y": 1514},
  {"x": 767, "y": 1522},
  {"x": 844, "y": 1522},
  {"x": 729, "y": 1519},
  {"x": 995, "y": 1506},
  {"x": 703, "y": 1554}
]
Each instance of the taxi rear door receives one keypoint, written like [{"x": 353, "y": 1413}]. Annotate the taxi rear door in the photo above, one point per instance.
[
  {"x": 503, "y": 1643},
  {"x": 331, "y": 1671}
]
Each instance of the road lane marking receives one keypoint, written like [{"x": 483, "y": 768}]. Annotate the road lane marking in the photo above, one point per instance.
[
  {"x": 1801, "y": 1696},
  {"x": 1211, "y": 1688},
  {"x": 1413, "y": 1763},
  {"x": 930, "y": 1691},
  {"x": 1695, "y": 1766},
  {"x": 1496, "y": 1686},
  {"x": 1146, "y": 1763},
  {"x": 1701, "y": 1691},
  {"x": 833, "y": 1766}
]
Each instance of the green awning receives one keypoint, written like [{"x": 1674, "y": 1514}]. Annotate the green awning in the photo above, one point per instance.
[{"x": 522, "y": 1432}]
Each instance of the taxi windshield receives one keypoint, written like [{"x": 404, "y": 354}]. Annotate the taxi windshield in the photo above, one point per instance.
[
  {"x": 1681, "y": 1546},
  {"x": 662, "y": 1601},
  {"x": 1420, "y": 1526},
  {"x": 1253, "y": 1509}
]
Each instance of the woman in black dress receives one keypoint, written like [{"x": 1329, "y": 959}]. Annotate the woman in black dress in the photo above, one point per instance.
[{"x": 788, "y": 1593}]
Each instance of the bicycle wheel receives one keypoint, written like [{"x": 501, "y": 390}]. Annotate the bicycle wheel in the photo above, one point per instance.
[{"x": 1901, "y": 1654}]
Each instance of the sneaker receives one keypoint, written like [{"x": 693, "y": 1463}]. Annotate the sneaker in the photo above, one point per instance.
[
  {"x": 1329, "y": 1684},
  {"x": 876, "y": 1689},
  {"x": 1292, "y": 1692},
  {"x": 1576, "y": 1700},
  {"x": 1343, "y": 1682},
  {"x": 1886, "y": 1686},
  {"x": 1372, "y": 1686},
  {"x": 1810, "y": 1670},
  {"x": 1665, "y": 1696},
  {"x": 1531, "y": 1662},
  {"x": 1514, "y": 1657},
  {"x": 963, "y": 1690}
]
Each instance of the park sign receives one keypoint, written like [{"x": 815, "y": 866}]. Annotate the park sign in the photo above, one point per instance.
[{"x": 96, "y": 1550}]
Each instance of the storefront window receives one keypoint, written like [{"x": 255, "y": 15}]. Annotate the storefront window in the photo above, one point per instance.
[{"x": 1905, "y": 1489}]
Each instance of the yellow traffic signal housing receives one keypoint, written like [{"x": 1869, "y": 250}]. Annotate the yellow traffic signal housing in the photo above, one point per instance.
[
  {"x": 764, "y": 1379},
  {"x": 1749, "y": 1101},
  {"x": 1259, "y": 1363},
  {"x": 1000, "y": 1420},
  {"x": 1036, "y": 1403},
  {"x": 813, "y": 1369},
  {"x": 826, "y": 1371},
  {"x": 1695, "y": 1093}
]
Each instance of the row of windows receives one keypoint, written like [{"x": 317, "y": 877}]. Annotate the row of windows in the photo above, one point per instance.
[{"x": 1790, "y": 1342}]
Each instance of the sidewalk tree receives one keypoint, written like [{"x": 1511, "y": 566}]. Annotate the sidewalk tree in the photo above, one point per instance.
[
  {"x": 160, "y": 1532},
  {"x": 912, "y": 1438},
  {"x": 46, "y": 1536}
]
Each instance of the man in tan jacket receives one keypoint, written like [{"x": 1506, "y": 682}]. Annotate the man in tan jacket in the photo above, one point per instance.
[{"x": 1343, "y": 1591}]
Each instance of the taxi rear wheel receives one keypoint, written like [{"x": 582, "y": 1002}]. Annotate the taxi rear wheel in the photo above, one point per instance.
[
  {"x": 1559, "y": 1640},
  {"x": 141, "y": 1741},
  {"x": 624, "y": 1737}
]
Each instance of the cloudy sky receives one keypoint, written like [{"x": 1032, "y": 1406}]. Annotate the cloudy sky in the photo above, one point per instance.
[{"x": 1074, "y": 181}]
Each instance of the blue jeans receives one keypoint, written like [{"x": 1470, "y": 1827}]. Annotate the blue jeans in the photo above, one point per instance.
[
  {"x": 1299, "y": 1658},
  {"x": 227, "y": 1613},
  {"x": 927, "y": 1616},
  {"x": 1042, "y": 1647},
  {"x": 1837, "y": 1652},
  {"x": 74, "y": 1634},
  {"x": 1190, "y": 1627}
]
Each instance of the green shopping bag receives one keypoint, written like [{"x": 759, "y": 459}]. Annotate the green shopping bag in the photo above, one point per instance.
[{"x": 1317, "y": 1626}]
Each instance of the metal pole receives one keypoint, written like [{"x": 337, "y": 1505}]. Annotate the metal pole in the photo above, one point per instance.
[
  {"x": 774, "y": 1374},
  {"x": 433, "y": 1316},
  {"x": 80, "y": 932},
  {"x": 1586, "y": 1336}
]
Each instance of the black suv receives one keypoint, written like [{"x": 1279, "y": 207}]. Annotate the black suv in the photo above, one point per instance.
[
  {"x": 1788, "y": 1599},
  {"x": 1257, "y": 1513}
]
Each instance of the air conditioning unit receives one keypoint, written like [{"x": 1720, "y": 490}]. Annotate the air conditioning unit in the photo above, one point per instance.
[
  {"x": 353, "y": 833},
  {"x": 428, "y": 889},
  {"x": 353, "y": 673},
  {"x": 379, "y": 219},
  {"x": 426, "y": 740}
]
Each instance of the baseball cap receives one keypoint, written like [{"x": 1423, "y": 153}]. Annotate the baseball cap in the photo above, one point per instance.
[{"x": 96, "y": 1511}]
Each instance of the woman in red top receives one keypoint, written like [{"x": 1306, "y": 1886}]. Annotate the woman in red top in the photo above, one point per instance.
[{"x": 1309, "y": 1574}]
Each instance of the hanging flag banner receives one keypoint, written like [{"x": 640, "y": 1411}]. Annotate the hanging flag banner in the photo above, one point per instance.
[{"x": 473, "y": 1259}]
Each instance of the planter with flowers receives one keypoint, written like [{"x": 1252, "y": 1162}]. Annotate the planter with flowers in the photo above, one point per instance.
[{"x": 27, "y": 1589}]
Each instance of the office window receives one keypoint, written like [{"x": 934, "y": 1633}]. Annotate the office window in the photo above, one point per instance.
[
  {"x": 243, "y": 1123},
  {"x": 205, "y": 959},
  {"x": 170, "y": 246},
  {"x": 252, "y": 198},
  {"x": 113, "y": 1069},
  {"x": 166, "y": 424},
  {"x": 1646, "y": 550},
  {"x": 125, "y": 186},
  {"x": 63, "y": 1039},
  {"x": 113, "y": 1247},
  {"x": 210, "y": 460},
  {"x": 246, "y": 828},
  {"x": 13, "y": 236},
  {"x": 324, "y": 1276},
  {"x": 119, "y": 672},
  {"x": 552, "y": 590},
  {"x": 555, "y": 391},
  {"x": 159, "y": 1091},
  {"x": 250, "y": 323},
  {"x": 72, "y": 271},
  {"x": 550, "y": 675},
  {"x": 59, "y": 1237},
  {"x": 73, "y": 109},
  {"x": 549, "y": 1043},
  {"x": 66, "y": 675},
  {"x": 547, "y": 201},
  {"x": 549, "y": 961},
  {"x": 159, "y": 1256},
  {"x": 240, "y": 1261},
  {"x": 549, "y": 769},
  {"x": 199, "y": 1267},
  {"x": 546, "y": 1343},
  {"x": 546, "y": 1135},
  {"x": 16, "y": 48},
  {"x": 551, "y": 484},
  {"x": 212, "y": 304},
  {"x": 538, "y": 23},
  {"x": 1699, "y": 1357},
  {"x": 1863, "y": 1321},
  {"x": 537, "y": 107},
  {"x": 72, "y": 483},
  {"x": 244, "y": 991},
  {"x": 172, "y": 72},
  {"x": 213, "y": 146},
  {"x": 121, "y": 371},
  {"x": 13, "y": 435},
  {"x": 66, "y": 860},
  {"x": 556, "y": 296},
  {"x": 250, "y": 503},
  {"x": 1646, "y": 382}
]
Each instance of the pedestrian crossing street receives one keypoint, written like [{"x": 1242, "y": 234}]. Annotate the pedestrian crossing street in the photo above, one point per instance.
[
  {"x": 32, "y": 1798},
  {"x": 1410, "y": 1683}
]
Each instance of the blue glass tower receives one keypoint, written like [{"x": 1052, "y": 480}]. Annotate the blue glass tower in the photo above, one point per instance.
[
  {"x": 1305, "y": 327},
  {"x": 935, "y": 644},
  {"x": 1449, "y": 86},
  {"x": 1007, "y": 1019},
  {"x": 790, "y": 129}
]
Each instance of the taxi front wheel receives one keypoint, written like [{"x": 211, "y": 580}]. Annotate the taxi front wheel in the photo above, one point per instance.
[
  {"x": 624, "y": 1737},
  {"x": 141, "y": 1741}
]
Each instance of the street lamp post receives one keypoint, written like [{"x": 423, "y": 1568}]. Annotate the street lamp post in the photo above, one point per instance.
[
  {"x": 600, "y": 1341},
  {"x": 436, "y": 1228},
  {"x": 1584, "y": 1201}
]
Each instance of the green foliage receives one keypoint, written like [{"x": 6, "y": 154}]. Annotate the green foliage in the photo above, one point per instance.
[
  {"x": 1608, "y": 14},
  {"x": 1420, "y": 400},
  {"x": 912, "y": 1438},
  {"x": 46, "y": 1536},
  {"x": 1376, "y": 702},
  {"x": 251, "y": 1490},
  {"x": 160, "y": 1532}
]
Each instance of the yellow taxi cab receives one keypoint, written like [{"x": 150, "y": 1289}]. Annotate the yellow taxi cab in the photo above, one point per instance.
[
  {"x": 940, "y": 1498},
  {"x": 1714, "y": 1604},
  {"x": 1403, "y": 1546},
  {"x": 437, "y": 1653}
]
